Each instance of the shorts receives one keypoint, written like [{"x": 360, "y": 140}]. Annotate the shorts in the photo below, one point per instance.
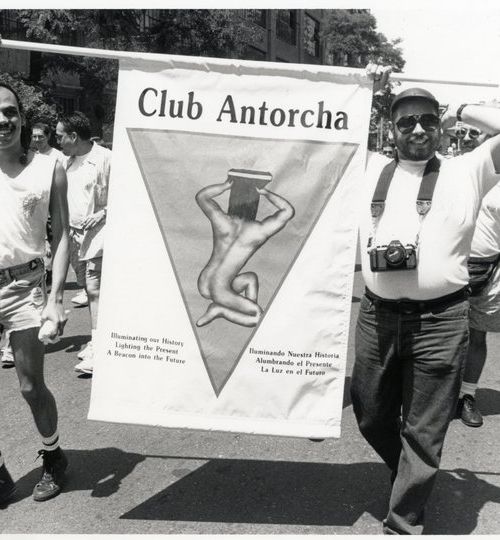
[
  {"x": 22, "y": 301},
  {"x": 87, "y": 271},
  {"x": 485, "y": 307}
]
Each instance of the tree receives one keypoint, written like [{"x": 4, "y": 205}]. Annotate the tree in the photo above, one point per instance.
[
  {"x": 219, "y": 33},
  {"x": 351, "y": 34},
  {"x": 352, "y": 37},
  {"x": 37, "y": 105}
]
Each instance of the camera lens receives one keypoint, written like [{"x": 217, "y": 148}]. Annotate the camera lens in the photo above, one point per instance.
[{"x": 395, "y": 254}]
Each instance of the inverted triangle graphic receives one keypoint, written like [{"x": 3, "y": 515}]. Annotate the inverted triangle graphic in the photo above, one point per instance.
[{"x": 178, "y": 165}]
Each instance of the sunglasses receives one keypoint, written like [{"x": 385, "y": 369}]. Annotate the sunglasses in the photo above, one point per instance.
[
  {"x": 462, "y": 132},
  {"x": 429, "y": 122}
]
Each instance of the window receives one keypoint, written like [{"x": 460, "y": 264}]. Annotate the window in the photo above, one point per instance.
[
  {"x": 257, "y": 16},
  {"x": 68, "y": 105},
  {"x": 311, "y": 35},
  {"x": 286, "y": 25},
  {"x": 149, "y": 18},
  {"x": 9, "y": 25}
]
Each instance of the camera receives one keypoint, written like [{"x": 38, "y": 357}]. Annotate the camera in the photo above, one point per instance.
[{"x": 394, "y": 256}]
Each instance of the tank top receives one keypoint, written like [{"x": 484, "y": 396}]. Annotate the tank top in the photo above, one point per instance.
[{"x": 24, "y": 209}]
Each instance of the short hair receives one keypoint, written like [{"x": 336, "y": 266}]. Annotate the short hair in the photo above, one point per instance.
[
  {"x": 77, "y": 122},
  {"x": 43, "y": 126},
  {"x": 25, "y": 132}
]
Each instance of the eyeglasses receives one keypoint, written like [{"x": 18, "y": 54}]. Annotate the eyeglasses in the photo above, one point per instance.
[
  {"x": 462, "y": 132},
  {"x": 429, "y": 122}
]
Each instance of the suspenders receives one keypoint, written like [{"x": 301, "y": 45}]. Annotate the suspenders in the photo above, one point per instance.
[
  {"x": 424, "y": 197},
  {"x": 427, "y": 185}
]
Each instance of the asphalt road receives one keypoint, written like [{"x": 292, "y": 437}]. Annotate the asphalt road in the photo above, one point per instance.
[{"x": 137, "y": 479}]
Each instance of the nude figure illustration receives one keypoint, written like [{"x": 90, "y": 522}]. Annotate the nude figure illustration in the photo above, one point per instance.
[{"x": 237, "y": 235}]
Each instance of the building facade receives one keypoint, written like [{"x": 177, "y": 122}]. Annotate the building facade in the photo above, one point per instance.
[{"x": 278, "y": 35}]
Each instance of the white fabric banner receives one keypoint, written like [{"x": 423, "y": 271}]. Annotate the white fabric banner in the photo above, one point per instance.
[{"x": 230, "y": 245}]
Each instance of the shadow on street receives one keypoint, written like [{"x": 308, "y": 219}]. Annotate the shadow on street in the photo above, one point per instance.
[
  {"x": 272, "y": 492},
  {"x": 241, "y": 491},
  {"x": 68, "y": 343},
  {"x": 244, "y": 491},
  {"x": 100, "y": 471},
  {"x": 489, "y": 401}
]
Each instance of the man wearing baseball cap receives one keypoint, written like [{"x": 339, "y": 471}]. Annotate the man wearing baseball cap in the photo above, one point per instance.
[{"x": 416, "y": 227}]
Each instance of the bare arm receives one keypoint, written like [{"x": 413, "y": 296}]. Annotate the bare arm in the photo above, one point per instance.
[
  {"x": 279, "y": 219},
  {"x": 58, "y": 208},
  {"x": 485, "y": 118},
  {"x": 205, "y": 196}
]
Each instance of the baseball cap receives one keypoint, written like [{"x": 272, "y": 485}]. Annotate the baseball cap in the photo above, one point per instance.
[{"x": 414, "y": 93}]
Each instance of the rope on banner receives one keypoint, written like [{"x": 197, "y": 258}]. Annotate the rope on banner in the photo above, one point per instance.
[{"x": 117, "y": 55}]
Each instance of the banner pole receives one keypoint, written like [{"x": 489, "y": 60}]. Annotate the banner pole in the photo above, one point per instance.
[{"x": 117, "y": 55}]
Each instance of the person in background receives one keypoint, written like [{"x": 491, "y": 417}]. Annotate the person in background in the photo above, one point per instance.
[
  {"x": 484, "y": 272},
  {"x": 87, "y": 169},
  {"x": 40, "y": 137}
]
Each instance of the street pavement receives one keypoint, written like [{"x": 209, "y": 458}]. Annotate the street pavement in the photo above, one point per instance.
[{"x": 138, "y": 479}]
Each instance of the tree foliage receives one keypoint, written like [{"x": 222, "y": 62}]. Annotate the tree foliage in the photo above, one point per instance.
[
  {"x": 197, "y": 32},
  {"x": 352, "y": 34},
  {"x": 38, "y": 106}
]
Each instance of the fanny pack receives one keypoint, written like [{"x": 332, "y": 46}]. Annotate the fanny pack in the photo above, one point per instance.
[{"x": 480, "y": 271}]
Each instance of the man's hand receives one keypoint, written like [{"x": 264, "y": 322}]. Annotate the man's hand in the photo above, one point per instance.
[
  {"x": 379, "y": 74},
  {"x": 54, "y": 312},
  {"x": 93, "y": 219}
]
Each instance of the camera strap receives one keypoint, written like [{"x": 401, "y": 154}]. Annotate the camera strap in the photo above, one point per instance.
[{"x": 424, "y": 197}]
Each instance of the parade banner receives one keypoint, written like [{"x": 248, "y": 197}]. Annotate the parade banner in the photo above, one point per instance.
[{"x": 230, "y": 245}]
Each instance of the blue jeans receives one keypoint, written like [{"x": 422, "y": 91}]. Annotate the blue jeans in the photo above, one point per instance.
[{"x": 405, "y": 385}]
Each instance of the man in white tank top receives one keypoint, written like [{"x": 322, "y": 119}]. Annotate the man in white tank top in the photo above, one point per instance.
[
  {"x": 31, "y": 186},
  {"x": 416, "y": 224}
]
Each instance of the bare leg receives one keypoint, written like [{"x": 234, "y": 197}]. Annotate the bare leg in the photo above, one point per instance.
[
  {"x": 29, "y": 356},
  {"x": 216, "y": 311},
  {"x": 247, "y": 284},
  {"x": 224, "y": 295},
  {"x": 93, "y": 296}
]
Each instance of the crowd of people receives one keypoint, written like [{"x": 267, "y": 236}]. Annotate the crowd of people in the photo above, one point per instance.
[{"x": 429, "y": 237}]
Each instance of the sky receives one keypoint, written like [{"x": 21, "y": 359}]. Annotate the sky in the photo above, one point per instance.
[{"x": 452, "y": 42}]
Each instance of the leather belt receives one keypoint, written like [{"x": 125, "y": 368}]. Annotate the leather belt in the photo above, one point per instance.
[
  {"x": 7, "y": 275},
  {"x": 406, "y": 305}
]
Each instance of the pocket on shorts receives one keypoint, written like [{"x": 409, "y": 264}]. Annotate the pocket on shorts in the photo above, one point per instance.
[
  {"x": 32, "y": 284},
  {"x": 35, "y": 278}
]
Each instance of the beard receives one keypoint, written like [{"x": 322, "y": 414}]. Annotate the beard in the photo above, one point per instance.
[{"x": 416, "y": 149}]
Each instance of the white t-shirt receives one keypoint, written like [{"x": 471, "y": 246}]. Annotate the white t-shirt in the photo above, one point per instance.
[
  {"x": 24, "y": 208},
  {"x": 54, "y": 152},
  {"x": 445, "y": 233},
  {"x": 486, "y": 239},
  {"x": 81, "y": 180}
]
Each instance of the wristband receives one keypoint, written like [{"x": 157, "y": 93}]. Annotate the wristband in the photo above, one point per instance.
[{"x": 459, "y": 112}]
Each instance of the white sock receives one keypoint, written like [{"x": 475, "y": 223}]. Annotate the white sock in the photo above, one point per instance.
[
  {"x": 52, "y": 442},
  {"x": 468, "y": 388}
]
